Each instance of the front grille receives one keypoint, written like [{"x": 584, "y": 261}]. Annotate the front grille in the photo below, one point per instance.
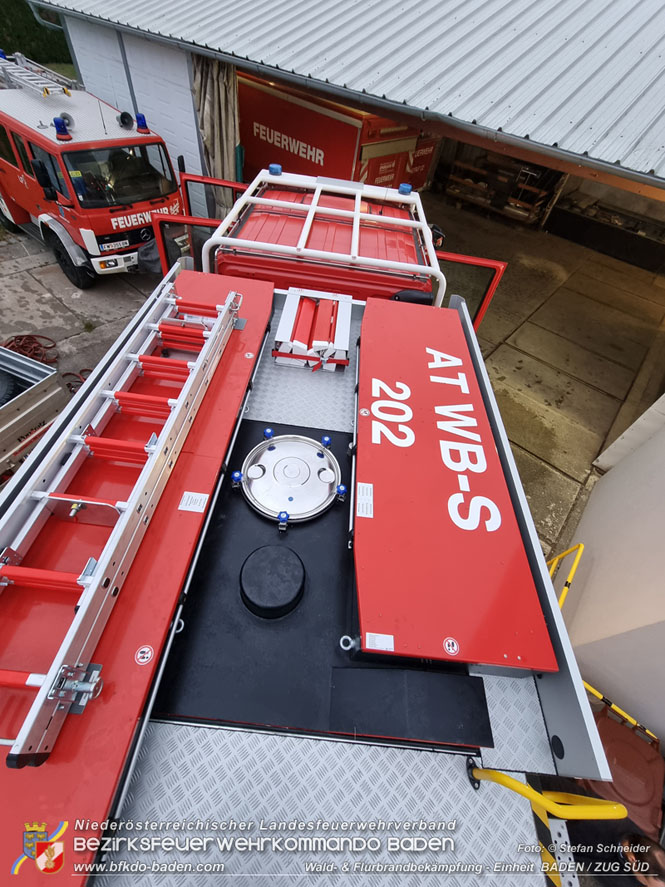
[{"x": 135, "y": 236}]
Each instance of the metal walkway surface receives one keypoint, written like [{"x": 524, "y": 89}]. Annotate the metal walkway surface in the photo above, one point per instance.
[{"x": 188, "y": 773}]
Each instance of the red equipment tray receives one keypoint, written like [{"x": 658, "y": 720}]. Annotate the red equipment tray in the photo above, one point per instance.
[{"x": 441, "y": 568}]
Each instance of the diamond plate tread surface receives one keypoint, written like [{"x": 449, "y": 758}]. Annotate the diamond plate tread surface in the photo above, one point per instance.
[
  {"x": 520, "y": 738},
  {"x": 199, "y": 773},
  {"x": 299, "y": 396}
]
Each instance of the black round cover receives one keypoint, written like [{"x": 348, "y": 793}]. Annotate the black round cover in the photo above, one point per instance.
[{"x": 272, "y": 580}]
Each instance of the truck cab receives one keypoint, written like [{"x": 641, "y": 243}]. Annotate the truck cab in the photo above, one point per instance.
[{"x": 77, "y": 173}]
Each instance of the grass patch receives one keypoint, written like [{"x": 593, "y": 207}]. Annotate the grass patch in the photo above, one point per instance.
[
  {"x": 62, "y": 68},
  {"x": 88, "y": 326}
]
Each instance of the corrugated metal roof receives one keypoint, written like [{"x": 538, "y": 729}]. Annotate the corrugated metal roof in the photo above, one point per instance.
[{"x": 585, "y": 76}]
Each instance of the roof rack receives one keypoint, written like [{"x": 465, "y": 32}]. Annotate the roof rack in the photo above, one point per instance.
[
  {"x": 319, "y": 186},
  {"x": 18, "y": 71}
]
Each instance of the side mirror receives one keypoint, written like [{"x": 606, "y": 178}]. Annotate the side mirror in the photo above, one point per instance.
[
  {"x": 181, "y": 163},
  {"x": 437, "y": 236},
  {"x": 44, "y": 180}
]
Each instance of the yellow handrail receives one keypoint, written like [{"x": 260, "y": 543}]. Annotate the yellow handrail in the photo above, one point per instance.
[
  {"x": 555, "y": 561},
  {"x": 559, "y": 804},
  {"x": 615, "y": 708},
  {"x": 552, "y": 564}
]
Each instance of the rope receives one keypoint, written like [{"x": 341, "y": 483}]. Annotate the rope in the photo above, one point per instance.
[
  {"x": 73, "y": 381},
  {"x": 39, "y": 348}
]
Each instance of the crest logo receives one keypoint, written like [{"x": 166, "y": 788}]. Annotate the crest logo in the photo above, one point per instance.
[
  {"x": 32, "y": 834},
  {"x": 50, "y": 856},
  {"x": 47, "y": 851}
]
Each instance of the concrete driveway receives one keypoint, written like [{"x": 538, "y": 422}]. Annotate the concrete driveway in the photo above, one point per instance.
[
  {"x": 36, "y": 297},
  {"x": 566, "y": 340}
]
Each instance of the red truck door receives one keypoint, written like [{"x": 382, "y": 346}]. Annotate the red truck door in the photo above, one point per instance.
[
  {"x": 27, "y": 191},
  {"x": 52, "y": 165},
  {"x": 12, "y": 191}
]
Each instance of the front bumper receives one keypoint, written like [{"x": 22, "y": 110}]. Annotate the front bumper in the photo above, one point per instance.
[{"x": 123, "y": 262}]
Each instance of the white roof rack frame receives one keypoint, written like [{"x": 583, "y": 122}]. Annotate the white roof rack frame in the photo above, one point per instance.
[{"x": 318, "y": 186}]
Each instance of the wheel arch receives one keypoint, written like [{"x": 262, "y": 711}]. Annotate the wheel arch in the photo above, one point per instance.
[{"x": 50, "y": 227}]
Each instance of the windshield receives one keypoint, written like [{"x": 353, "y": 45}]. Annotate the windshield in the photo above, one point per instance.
[{"x": 118, "y": 176}]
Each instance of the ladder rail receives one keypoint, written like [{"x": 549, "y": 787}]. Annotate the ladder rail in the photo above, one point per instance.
[
  {"x": 96, "y": 414},
  {"x": 102, "y": 584},
  {"x": 65, "y": 422},
  {"x": 14, "y": 524},
  {"x": 40, "y": 514},
  {"x": 17, "y": 71}
]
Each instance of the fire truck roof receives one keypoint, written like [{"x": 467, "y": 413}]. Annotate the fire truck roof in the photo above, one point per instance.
[{"x": 92, "y": 119}]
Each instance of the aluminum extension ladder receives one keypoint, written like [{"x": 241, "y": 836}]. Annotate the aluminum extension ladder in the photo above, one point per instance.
[
  {"x": 18, "y": 73},
  {"x": 167, "y": 322}
]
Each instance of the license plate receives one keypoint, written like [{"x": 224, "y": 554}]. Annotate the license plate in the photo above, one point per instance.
[{"x": 105, "y": 247}]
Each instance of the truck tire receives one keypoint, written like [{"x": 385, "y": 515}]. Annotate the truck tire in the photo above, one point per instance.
[
  {"x": 81, "y": 276},
  {"x": 9, "y": 387},
  {"x": 8, "y": 224}
]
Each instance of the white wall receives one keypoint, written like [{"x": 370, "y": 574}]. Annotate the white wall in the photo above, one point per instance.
[
  {"x": 616, "y": 608},
  {"x": 99, "y": 60},
  {"x": 644, "y": 427},
  {"x": 159, "y": 76}
]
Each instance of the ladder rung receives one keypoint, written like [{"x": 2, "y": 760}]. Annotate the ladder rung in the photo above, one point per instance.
[
  {"x": 185, "y": 306},
  {"x": 119, "y": 450},
  {"x": 175, "y": 335},
  {"x": 165, "y": 367},
  {"x": 48, "y": 580},
  {"x": 17, "y": 680},
  {"x": 74, "y": 497},
  {"x": 148, "y": 405}
]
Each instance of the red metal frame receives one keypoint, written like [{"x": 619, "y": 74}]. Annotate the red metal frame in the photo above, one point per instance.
[
  {"x": 160, "y": 219},
  {"x": 185, "y": 177},
  {"x": 498, "y": 268}
]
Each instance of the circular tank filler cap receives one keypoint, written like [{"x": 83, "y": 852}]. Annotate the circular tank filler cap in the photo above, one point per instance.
[{"x": 290, "y": 473}]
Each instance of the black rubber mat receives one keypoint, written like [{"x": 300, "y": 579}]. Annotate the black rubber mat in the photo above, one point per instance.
[
  {"x": 231, "y": 665},
  {"x": 407, "y": 703}
]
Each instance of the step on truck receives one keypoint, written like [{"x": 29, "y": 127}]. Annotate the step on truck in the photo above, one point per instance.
[
  {"x": 77, "y": 174},
  {"x": 273, "y": 601}
]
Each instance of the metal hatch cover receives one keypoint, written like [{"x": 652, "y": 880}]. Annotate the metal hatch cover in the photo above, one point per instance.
[
  {"x": 290, "y": 474},
  {"x": 441, "y": 567}
]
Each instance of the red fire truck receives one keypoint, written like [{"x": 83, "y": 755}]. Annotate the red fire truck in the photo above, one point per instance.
[
  {"x": 315, "y": 136},
  {"x": 77, "y": 173},
  {"x": 272, "y": 598}
]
